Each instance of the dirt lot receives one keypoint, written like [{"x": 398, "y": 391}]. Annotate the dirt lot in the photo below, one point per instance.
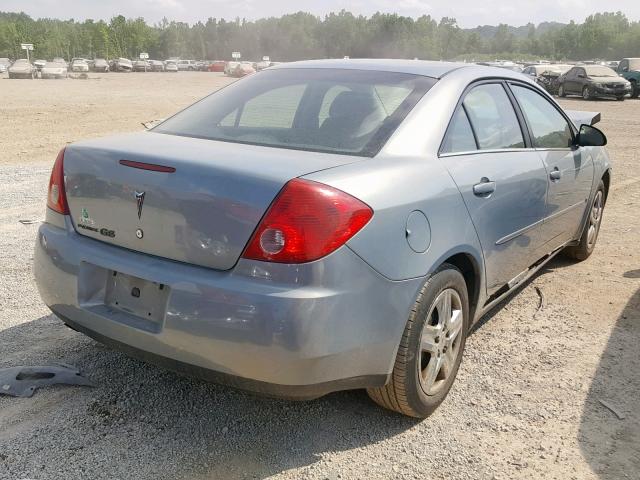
[{"x": 527, "y": 402}]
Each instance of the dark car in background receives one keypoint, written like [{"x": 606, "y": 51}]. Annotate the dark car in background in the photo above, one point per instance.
[
  {"x": 593, "y": 81},
  {"x": 629, "y": 68}
]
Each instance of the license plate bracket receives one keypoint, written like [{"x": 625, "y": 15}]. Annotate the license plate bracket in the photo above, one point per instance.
[{"x": 137, "y": 297}]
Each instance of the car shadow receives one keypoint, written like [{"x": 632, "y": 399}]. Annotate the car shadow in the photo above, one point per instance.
[
  {"x": 609, "y": 433},
  {"x": 168, "y": 425}
]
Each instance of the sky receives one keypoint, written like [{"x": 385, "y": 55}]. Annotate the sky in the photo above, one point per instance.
[{"x": 469, "y": 13}]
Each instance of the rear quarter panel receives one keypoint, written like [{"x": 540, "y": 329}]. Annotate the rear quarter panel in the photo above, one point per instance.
[{"x": 394, "y": 188}]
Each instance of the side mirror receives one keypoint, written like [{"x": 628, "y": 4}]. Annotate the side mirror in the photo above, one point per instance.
[{"x": 589, "y": 136}]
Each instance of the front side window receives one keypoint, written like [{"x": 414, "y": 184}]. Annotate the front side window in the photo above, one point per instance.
[
  {"x": 548, "y": 127},
  {"x": 492, "y": 118},
  {"x": 329, "y": 110}
]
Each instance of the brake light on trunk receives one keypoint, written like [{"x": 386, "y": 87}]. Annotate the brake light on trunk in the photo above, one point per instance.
[
  {"x": 57, "y": 198},
  {"x": 307, "y": 221}
]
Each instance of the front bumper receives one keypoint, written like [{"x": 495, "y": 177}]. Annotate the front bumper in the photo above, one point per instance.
[
  {"x": 298, "y": 331},
  {"x": 608, "y": 92}
]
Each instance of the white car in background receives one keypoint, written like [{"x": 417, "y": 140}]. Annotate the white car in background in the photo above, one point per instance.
[
  {"x": 22, "y": 68},
  {"x": 53, "y": 70},
  {"x": 79, "y": 65},
  {"x": 170, "y": 66}
]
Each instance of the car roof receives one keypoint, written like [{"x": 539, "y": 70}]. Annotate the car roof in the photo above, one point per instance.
[{"x": 416, "y": 67}]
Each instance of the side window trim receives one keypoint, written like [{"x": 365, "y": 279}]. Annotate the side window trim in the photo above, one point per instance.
[
  {"x": 523, "y": 127},
  {"x": 473, "y": 130},
  {"x": 526, "y": 123}
]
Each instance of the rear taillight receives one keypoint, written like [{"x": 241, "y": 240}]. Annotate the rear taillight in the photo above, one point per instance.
[
  {"x": 305, "y": 222},
  {"x": 57, "y": 198}
]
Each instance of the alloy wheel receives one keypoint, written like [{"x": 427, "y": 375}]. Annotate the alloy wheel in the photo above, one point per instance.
[
  {"x": 595, "y": 219},
  {"x": 440, "y": 341}
]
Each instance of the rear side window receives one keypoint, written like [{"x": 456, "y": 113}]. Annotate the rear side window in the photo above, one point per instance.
[
  {"x": 459, "y": 136},
  {"x": 492, "y": 117},
  {"x": 548, "y": 127}
]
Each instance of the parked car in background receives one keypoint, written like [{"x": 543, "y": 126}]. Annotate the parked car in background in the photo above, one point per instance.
[
  {"x": 593, "y": 81},
  {"x": 186, "y": 65},
  {"x": 140, "y": 66},
  {"x": 230, "y": 66},
  {"x": 54, "y": 70},
  {"x": 170, "y": 66},
  {"x": 5, "y": 63},
  {"x": 60, "y": 60},
  {"x": 121, "y": 65},
  {"x": 629, "y": 69},
  {"x": 155, "y": 65},
  {"x": 262, "y": 64},
  {"x": 22, "y": 68},
  {"x": 100, "y": 65},
  {"x": 243, "y": 69},
  {"x": 39, "y": 64},
  {"x": 216, "y": 66},
  {"x": 79, "y": 65},
  {"x": 547, "y": 75},
  {"x": 255, "y": 238}
]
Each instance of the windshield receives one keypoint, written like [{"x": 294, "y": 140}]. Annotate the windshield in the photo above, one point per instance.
[
  {"x": 634, "y": 64},
  {"x": 328, "y": 110},
  {"x": 599, "y": 71}
]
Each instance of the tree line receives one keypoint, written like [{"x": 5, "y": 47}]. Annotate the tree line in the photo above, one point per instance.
[{"x": 303, "y": 35}]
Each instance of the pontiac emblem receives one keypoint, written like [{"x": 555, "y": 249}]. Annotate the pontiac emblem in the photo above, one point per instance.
[{"x": 140, "y": 202}]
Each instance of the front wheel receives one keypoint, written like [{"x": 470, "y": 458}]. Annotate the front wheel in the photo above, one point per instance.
[
  {"x": 585, "y": 248},
  {"x": 635, "y": 90},
  {"x": 561, "y": 92},
  {"x": 586, "y": 93},
  {"x": 431, "y": 347},
  {"x": 620, "y": 99}
]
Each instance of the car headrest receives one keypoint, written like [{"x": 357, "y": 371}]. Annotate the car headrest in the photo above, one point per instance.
[{"x": 352, "y": 104}]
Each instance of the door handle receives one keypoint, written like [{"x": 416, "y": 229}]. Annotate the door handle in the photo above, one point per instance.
[
  {"x": 484, "y": 188},
  {"x": 555, "y": 174}
]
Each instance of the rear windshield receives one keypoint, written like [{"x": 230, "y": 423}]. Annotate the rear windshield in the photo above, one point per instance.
[{"x": 328, "y": 110}]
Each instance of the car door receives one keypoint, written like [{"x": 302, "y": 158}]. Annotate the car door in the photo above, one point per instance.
[
  {"x": 503, "y": 183},
  {"x": 570, "y": 169}
]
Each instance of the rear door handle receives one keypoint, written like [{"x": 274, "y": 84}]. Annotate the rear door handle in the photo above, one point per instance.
[
  {"x": 555, "y": 174},
  {"x": 485, "y": 187}
]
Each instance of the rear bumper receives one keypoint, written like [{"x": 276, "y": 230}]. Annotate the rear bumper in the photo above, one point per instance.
[{"x": 298, "y": 331}]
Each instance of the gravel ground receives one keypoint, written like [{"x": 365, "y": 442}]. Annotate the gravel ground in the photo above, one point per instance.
[{"x": 526, "y": 404}]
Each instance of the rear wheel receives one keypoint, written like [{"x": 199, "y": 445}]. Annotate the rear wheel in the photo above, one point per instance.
[
  {"x": 431, "y": 347},
  {"x": 586, "y": 93},
  {"x": 589, "y": 237}
]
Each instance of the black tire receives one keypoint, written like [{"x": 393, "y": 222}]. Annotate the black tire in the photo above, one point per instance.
[
  {"x": 620, "y": 99},
  {"x": 586, "y": 93},
  {"x": 405, "y": 392},
  {"x": 561, "y": 92},
  {"x": 636, "y": 91},
  {"x": 585, "y": 247}
]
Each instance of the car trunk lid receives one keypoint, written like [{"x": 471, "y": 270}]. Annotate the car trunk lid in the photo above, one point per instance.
[{"x": 201, "y": 209}]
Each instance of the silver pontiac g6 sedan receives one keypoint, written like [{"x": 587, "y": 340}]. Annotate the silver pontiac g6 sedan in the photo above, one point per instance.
[{"x": 322, "y": 225}]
